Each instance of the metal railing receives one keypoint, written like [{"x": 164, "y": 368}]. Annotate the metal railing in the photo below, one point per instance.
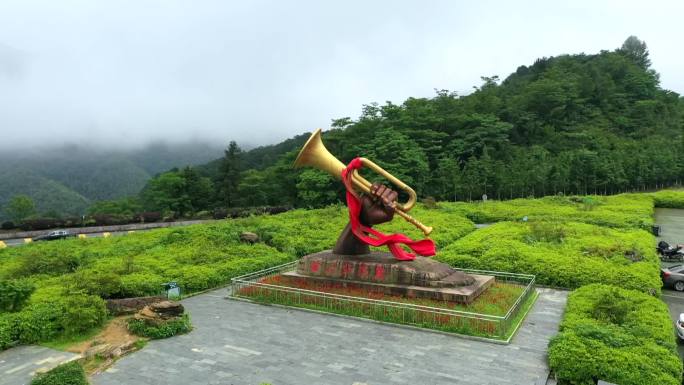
[{"x": 252, "y": 287}]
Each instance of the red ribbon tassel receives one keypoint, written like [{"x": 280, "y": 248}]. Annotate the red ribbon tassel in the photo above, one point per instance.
[{"x": 370, "y": 236}]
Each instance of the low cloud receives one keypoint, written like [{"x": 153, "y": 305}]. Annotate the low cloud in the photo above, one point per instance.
[{"x": 124, "y": 73}]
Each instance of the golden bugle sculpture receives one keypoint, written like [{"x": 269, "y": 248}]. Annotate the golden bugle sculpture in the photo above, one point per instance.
[{"x": 315, "y": 154}]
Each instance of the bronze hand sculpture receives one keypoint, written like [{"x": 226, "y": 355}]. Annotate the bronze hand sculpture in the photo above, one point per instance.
[{"x": 378, "y": 207}]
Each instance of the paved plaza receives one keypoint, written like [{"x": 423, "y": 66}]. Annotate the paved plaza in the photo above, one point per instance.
[
  {"x": 242, "y": 343},
  {"x": 18, "y": 365}
]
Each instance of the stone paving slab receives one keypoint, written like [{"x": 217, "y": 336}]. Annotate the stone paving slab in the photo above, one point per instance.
[
  {"x": 18, "y": 365},
  {"x": 243, "y": 343}
]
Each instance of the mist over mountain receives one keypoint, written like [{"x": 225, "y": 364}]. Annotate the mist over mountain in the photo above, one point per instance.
[{"x": 65, "y": 180}]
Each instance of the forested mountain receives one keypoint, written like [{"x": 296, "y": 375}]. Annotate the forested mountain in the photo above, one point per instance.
[
  {"x": 570, "y": 124},
  {"x": 66, "y": 180}
]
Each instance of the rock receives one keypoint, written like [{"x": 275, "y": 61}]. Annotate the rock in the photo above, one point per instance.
[
  {"x": 97, "y": 350},
  {"x": 248, "y": 237},
  {"x": 107, "y": 351},
  {"x": 130, "y": 305},
  {"x": 168, "y": 308},
  {"x": 159, "y": 312},
  {"x": 122, "y": 349}
]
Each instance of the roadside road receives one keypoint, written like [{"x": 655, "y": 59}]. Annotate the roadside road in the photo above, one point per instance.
[
  {"x": 672, "y": 232},
  {"x": 20, "y": 241}
]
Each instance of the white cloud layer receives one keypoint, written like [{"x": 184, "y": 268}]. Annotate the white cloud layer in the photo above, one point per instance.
[{"x": 122, "y": 73}]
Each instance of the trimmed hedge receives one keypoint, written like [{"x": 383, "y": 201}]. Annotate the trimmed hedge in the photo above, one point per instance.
[
  {"x": 44, "y": 320},
  {"x": 565, "y": 255},
  {"x": 70, "y": 373},
  {"x": 672, "y": 199},
  {"x": 617, "y": 211},
  {"x": 616, "y": 335},
  {"x": 165, "y": 330}
]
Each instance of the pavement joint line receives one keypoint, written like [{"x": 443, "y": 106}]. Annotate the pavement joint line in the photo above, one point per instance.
[{"x": 18, "y": 368}]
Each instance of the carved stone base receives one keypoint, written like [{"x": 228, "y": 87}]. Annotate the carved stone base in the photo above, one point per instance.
[{"x": 381, "y": 272}]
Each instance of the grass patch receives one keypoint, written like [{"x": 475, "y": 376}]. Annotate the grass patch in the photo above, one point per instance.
[{"x": 64, "y": 342}]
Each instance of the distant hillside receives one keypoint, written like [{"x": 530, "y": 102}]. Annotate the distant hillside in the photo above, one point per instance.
[
  {"x": 48, "y": 195},
  {"x": 260, "y": 157},
  {"x": 67, "y": 180}
]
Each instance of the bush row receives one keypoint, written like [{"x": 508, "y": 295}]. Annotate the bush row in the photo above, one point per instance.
[
  {"x": 565, "y": 255},
  {"x": 673, "y": 199},
  {"x": 61, "y": 315},
  {"x": 165, "y": 329},
  {"x": 618, "y": 211},
  {"x": 616, "y": 335},
  {"x": 71, "y": 373}
]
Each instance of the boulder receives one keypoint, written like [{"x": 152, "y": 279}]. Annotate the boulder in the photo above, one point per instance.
[
  {"x": 108, "y": 351},
  {"x": 249, "y": 237},
  {"x": 159, "y": 312},
  {"x": 130, "y": 305}
]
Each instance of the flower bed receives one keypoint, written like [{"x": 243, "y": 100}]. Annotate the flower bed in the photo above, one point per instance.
[{"x": 494, "y": 315}]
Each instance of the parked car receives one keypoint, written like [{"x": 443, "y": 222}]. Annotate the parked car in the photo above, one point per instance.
[
  {"x": 52, "y": 235},
  {"x": 679, "y": 325},
  {"x": 673, "y": 276}
]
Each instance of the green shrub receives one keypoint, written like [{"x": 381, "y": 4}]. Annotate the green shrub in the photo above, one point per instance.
[
  {"x": 616, "y": 335},
  {"x": 105, "y": 284},
  {"x": 70, "y": 373},
  {"x": 82, "y": 313},
  {"x": 140, "y": 284},
  {"x": 47, "y": 258},
  {"x": 566, "y": 255},
  {"x": 14, "y": 294},
  {"x": 672, "y": 199},
  {"x": 618, "y": 211},
  {"x": 196, "y": 278},
  {"x": 8, "y": 330},
  {"x": 40, "y": 322},
  {"x": 164, "y": 330}
]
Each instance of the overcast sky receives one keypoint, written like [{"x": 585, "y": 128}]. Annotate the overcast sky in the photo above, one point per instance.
[{"x": 122, "y": 73}]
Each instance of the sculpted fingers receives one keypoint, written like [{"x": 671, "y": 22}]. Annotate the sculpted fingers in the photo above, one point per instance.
[
  {"x": 387, "y": 197},
  {"x": 392, "y": 198},
  {"x": 380, "y": 191}
]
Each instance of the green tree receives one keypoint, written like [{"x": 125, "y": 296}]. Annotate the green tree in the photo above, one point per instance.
[
  {"x": 316, "y": 188},
  {"x": 123, "y": 207},
  {"x": 398, "y": 155},
  {"x": 636, "y": 50},
  {"x": 253, "y": 189},
  {"x": 20, "y": 207},
  {"x": 229, "y": 175},
  {"x": 182, "y": 192}
]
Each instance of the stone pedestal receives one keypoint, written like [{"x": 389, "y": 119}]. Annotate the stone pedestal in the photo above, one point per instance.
[{"x": 381, "y": 272}]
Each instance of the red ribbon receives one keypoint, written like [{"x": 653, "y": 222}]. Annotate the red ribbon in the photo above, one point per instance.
[{"x": 423, "y": 247}]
